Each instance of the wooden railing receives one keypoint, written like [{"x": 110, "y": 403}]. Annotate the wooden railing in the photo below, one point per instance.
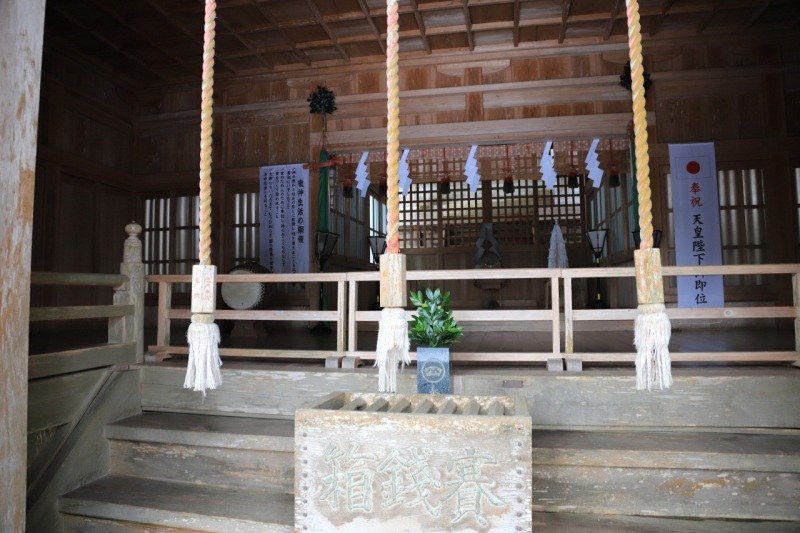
[
  {"x": 166, "y": 314},
  {"x": 712, "y": 313},
  {"x": 348, "y": 320},
  {"x": 125, "y": 316}
]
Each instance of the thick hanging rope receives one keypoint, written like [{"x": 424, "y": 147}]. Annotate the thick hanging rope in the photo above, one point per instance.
[
  {"x": 652, "y": 328},
  {"x": 202, "y": 371},
  {"x": 392, "y": 348}
]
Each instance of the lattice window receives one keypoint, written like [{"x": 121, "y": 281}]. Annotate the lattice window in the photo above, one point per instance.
[
  {"x": 244, "y": 240},
  {"x": 742, "y": 220},
  {"x": 420, "y": 224},
  {"x": 170, "y": 237},
  {"x": 462, "y": 214},
  {"x": 562, "y": 204}
]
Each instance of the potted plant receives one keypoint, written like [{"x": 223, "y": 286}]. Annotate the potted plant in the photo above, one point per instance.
[{"x": 433, "y": 329}]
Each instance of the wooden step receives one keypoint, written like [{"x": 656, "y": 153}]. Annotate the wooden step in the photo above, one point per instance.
[
  {"x": 583, "y": 523},
  {"x": 254, "y": 453},
  {"x": 161, "y": 505},
  {"x": 698, "y": 475}
]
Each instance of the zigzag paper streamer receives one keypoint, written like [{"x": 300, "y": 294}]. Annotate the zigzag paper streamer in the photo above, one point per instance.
[
  {"x": 471, "y": 170},
  {"x": 362, "y": 175},
  {"x": 404, "y": 173},
  {"x": 593, "y": 165},
  {"x": 547, "y": 167}
]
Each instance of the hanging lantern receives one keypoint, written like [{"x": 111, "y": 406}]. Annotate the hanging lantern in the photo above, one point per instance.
[
  {"x": 572, "y": 175},
  {"x": 347, "y": 188},
  {"x": 347, "y": 184},
  {"x": 613, "y": 172},
  {"x": 383, "y": 188},
  {"x": 444, "y": 182},
  {"x": 508, "y": 178}
]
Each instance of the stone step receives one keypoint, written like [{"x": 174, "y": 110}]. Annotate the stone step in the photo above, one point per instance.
[
  {"x": 698, "y": 475},
  {"x": 256, "y": 453},
  {"x": 138, "y": 504}
]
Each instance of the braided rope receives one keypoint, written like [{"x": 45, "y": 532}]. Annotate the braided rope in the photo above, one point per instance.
[
  {"x": 392, "y": 130},
  {"x": 206, "y": 119},
  {"x": 640, "y": 126}
]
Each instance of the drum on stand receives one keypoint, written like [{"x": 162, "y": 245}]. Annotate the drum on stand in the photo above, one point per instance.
[
  {"x": 250, "y": 295},
  {"x": 246, "y": 296}
]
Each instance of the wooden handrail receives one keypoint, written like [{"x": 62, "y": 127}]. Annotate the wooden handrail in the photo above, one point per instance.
[{"x": 348, "y": 317}]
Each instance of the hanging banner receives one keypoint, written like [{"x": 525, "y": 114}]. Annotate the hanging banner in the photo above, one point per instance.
[
  {"x": 283, "y": 201},
  {"x": 695, "y": 205}
]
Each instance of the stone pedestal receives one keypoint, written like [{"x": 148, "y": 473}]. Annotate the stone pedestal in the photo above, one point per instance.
[
  {"x": 433, "y": 370},
  {"x": 416, "y": 463}
]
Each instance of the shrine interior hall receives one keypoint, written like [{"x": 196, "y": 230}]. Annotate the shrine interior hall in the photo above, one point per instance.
[{"x": 519, "y": 196}]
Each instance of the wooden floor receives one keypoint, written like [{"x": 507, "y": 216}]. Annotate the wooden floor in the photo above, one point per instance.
[{"x": 683, "y": 340}]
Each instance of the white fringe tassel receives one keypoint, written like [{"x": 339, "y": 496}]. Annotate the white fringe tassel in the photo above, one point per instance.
[
  {"x": 202, "y": 371},
  {"x": 392, "y": 349},
  {"x": 651, "y": 337}
]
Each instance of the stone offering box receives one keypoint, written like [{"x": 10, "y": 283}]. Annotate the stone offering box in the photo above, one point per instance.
[{"x": 413, "y": 463}]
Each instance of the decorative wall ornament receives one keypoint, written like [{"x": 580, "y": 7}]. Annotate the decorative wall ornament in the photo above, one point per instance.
[
  {"x": 593, "y": 165},
  {"x": 322, "y": 102}
]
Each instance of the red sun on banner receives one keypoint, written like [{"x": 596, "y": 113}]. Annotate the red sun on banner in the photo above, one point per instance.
[{"x": 693, "y": 167}]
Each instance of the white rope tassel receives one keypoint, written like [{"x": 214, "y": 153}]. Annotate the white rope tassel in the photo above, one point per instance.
[
  {"x": 652, "y": 331},
  {"x": 392, "y": 349},
  {"x": 202, "y": 371}
]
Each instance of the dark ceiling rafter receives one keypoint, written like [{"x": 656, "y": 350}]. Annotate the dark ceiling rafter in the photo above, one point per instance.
[
  {"x": 286, "y": 35},
  {"x": 267, "y": 14},
  {"x": 665, "y": 7},
  {"x": 331, "y": 35},
  {"x": 190, "y": 69},
  {"x": 247, "y": 44},
  {"x": 613, "y": 19},
  {"x": 757, "y": 14},
  {"x": 125, "y": 53},
  {"x": 716, "y": 6},
  {"x": 562, "y": 34},
  {"x": 375, "y": 31},
  {"x": 420, "y": 24},
  {"x": 194, "y": 36}
]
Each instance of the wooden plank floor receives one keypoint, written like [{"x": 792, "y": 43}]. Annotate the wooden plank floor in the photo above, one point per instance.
[{"x": 604, "y": 341}]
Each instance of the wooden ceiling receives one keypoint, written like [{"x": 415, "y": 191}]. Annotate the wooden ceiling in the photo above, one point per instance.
[{"x": 152, "y": 42}]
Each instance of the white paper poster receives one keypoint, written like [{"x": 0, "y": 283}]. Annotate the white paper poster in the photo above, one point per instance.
[
  {"x": 695, "y": 203},
  {"x": 283, "y": 202}
]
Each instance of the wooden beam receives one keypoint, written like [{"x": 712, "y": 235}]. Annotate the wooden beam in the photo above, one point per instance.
[
  {"x": 468, "y": 25},
  {"x": 67, "y": 14},
  {"x": 516, "y": 23},
  {"x": 757, "y": 14},
  {"x": 657, "y": 24},
  {"x": 707, "y": 20},
  {"x": 613, "y": 19},
  {"x": 267, "y": 14},
  {"x": 193, "y": 35},
  {"x": 314, "y": 9},
  {"x": 377, "y": 33},
  {"x": 194, "y": 69},
  {"x": 420, "y": 25},
  {"x": 260, "y": 57},
  {"x": 564, "y": 17}
]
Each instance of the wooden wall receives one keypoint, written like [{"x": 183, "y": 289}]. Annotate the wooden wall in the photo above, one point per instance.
[{"x": 739, "y": 92}]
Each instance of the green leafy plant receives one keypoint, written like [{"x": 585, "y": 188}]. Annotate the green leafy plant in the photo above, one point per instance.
[{"x": 433, "y": 325}]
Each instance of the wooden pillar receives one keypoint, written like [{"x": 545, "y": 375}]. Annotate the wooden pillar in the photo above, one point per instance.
[{"x": 21, "y": 29}]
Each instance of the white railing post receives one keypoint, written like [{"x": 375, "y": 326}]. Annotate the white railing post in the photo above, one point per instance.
[{"x": 130, "y": 328}]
